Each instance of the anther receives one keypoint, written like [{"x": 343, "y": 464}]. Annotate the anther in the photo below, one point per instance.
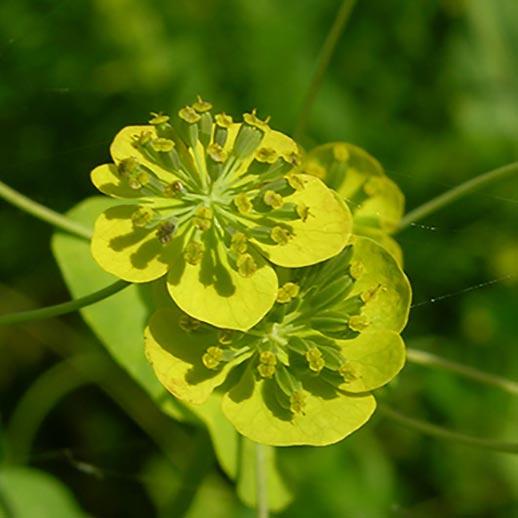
[
  {"x": 295, "y": 181},
  {"x": 280, "y": 235},
  {"x": 266, "y": 155},
  {"x": 165, "y": 232},
  {"x": 163, "y": 145},
  {"x": 193, "y": 252},
  {"x": 173, "y": 189},
  {"x": 273, "y": 199},
  {"x": 287, "y": 292},
  {"x": 238, "y": 243},
  {"x": 216, "y": 152},
  {"x": 302, "y": 211},
  {"x": 246, "y": 265},
  {"x": 242, "y": 203},
  {"x": 189, "y": 114},
  {"x": 348, "y": 373},
  {"x": 267, "y": 364},
  {"x": 142, "y": 217},
  {"x": 212, "y": 357},
  {"x": 315, "y": 360},
  {"x": 223, "y": 120},
  {"x": 358, "y": 322},
  {"x": 225, "y": 336},
  {"x": 158, "y": 119},
  {"x": 201, "y": 106},
  {"x": 298, "y": 401},
  {"x": 340, "y": 152},
  {"x": 203, "y": 218}
]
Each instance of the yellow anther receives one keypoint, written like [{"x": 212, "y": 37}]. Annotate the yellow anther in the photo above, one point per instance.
[
  {"x": 252, "y": 120},
  {"x": 223, "y": 120},
  {"x": 163, "y": 145},
  {"x": 340, "y": 152},
  {"x": 201, "y": 106},
  {"x": 315, "y": 360},
  {"x": 273, "y": 199},
  {"x": 225, "y": 336},
  {"x": 193, "y": 252},
  {"x": 158, "y": 118},
  {"x": 238, "y": 243},
  {"x": 287, "y": 292},
  {"x": 293, "y": 158},
  {"x": 280, "y": 235},
  {"x": 295, "y": 181},
  {"x": 315, "y": 168},
  {"x": 203, "y": 218},
  {"x": 189, "y": 114},
  {"x": 246, "y": 265},
  {"x": 165, "y": 232},
  {"x": 212, "y": 358},
  {"x": 142, "y": 216},
  {"x": 144, "y": 138},
  {"x": 370, "y": 294},
  {"x": 242, "y": 203},
  {"x": 356, "y": 269},
  {"x": 348, "y": 373},
  {"x": 189, "y": 324},
  {"x": 216, "y": 152},
  {"x": 302, "y": 211},
  {"x": 373, "y": 186},
  {"x": 127, "y": 166},
  {"x": 267, "y": 364},
  {"x": 266, "y": 155},
  {"x": 358, "y": 322},
  {"x": 139, "y": 180},
  {"x": 174, "y": 188},
  {"x": 298, "y": 402}
]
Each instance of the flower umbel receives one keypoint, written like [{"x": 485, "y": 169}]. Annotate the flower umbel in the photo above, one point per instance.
[
  {"x": 304, "y": 373},
  {"x": 214, "y": 203}
]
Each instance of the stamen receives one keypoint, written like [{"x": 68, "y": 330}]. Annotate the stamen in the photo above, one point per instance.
[
  {"x": 273, "y": 199},
  {"x": 173, "y": 189},
  {"x": 315, "y": 360},
  {"x": 212, "y": 358},
  {"x": 142, "y": 217},
  {"x": 246, "y": 265},
  {"x": 358, "y": 322},
  {"x": 225, "y": 336},
  {"x": 216, "y": 152},
  {"x": 201, "y": 106},
  {"x": 287, "y": 292},
  {"x": 242, "y": 203},
  {"x": 267, "y": 364},
  {"x": 158, "y": 119},
  {"x": 203, "y": 218},
  {"x": 340, "y": 152},
  {"x": 348, "y": 373},
  {"x": 238, "y": 243},
  {"x": 189, "y": 114},
  {"x": 163, "y": 145},
  {"x": 266, "y": 155},
  {"x": 298, "y": 402},
  {"x": 193, "y": 252},
  {"x": 280, "y": 235},
  {"x": 295, "y": 181},
  {"x": 302, "y": 211},
  {"x": 165, "y": 232}
]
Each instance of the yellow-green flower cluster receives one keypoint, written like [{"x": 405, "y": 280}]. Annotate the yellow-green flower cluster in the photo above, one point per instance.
[
  {"x": 304, "y": 373},
  {"x": 374, "y": 200},
  {"x": 214, "y": 204}
]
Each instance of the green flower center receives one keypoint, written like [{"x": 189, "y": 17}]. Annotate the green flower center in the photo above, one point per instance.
[{"x": 228, "y": 187}]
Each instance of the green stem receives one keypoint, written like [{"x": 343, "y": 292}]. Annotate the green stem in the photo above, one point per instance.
[
  {"x": 443, "y": 433},
  {"x": 37, "y": 402},
  {"x": 323, "y": 62},
  {"x": 261, "y": 489},
  {"x": 65, "y": 307},
  {"x": 431, "y": 360},
  {"x": 457, "y": 192},
  {"x": 43, "y": 213}
]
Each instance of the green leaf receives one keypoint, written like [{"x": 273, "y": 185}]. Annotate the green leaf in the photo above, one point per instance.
[
  {"x": 119, "y": 323},
  {"x": 29, "y": 493}
]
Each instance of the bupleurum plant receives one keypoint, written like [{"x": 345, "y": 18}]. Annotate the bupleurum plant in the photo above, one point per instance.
[
  {"x": 216, "y": 204},
  {"x": 273, "y": 302}
]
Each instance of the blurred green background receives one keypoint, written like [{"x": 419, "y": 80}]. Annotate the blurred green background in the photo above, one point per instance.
[{"x": 429, "y": 88}]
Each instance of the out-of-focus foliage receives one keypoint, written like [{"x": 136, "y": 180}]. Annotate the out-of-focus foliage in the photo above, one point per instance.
[{"x": 428, "y": 88}]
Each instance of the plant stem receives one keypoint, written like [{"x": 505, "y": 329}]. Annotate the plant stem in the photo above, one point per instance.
[
  {"x": 323, "y": 61},
  {"x": 41, "y": 212},
  {"x": 39, "y": 399},
  {"x": 443, "y": 433},
  {"x": 431, "y": 360},
  {"x": 261, "y": 489},
  {"x": 457, "y": 192},
  {"x": 65, "y": 307}
]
